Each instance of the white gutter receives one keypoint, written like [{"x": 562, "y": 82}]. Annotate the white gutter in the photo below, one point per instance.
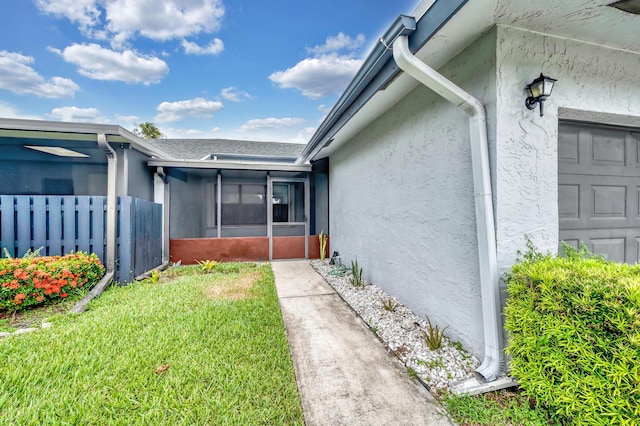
[{"x": 493, "y": 358}]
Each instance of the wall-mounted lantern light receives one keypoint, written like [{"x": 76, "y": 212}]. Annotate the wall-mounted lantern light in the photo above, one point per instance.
[{"x": 539, "y": 89}]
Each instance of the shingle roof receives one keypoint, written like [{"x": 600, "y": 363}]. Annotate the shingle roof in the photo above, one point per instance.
[{"x": 196, "y": 149}]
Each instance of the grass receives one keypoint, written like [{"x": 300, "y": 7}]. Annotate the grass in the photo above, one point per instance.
[
  {"x": 199, "y": 349},
  {"x": 501, "y": 408}
]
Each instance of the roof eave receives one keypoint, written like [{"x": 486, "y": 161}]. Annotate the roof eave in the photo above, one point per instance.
[
  {"x": 379, "y": 70},
  {"x": 62, "y": 127},
  {"x": 231, "y": 165}
]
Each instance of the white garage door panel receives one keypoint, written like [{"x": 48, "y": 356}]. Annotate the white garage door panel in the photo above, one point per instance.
[{"x": 599, "y": 189}]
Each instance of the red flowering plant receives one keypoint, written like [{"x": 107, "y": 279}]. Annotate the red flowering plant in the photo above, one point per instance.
[{"x": 30, "y": 281}]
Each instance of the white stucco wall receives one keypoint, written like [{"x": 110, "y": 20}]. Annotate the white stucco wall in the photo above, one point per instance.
[
  {"x": 402, "y": 200},
  {"x": 590, "y": 78}
]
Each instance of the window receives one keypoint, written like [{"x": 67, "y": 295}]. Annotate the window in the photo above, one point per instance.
[{"x": 244, "y": 204}]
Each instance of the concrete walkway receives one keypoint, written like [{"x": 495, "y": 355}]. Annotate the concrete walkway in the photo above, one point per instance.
[{"x": 345, "y": 374}]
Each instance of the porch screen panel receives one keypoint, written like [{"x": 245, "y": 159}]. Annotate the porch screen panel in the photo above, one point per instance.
[{"x": 244, "y": 204}]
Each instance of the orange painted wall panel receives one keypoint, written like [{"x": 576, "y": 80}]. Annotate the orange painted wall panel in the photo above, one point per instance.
[{"x": 243, "y": 249}]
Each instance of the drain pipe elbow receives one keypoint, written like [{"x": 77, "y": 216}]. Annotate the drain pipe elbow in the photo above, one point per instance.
[{"x": 491, "y": 366}]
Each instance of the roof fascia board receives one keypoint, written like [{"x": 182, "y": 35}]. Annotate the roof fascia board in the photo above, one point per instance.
[
  {"x": 379, "y": 70},
  {"x": 230, "y": 165},
  {"x": 377, "y": 59}
]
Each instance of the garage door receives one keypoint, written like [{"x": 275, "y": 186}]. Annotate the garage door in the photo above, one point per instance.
[{"x": 598, "y": 189}]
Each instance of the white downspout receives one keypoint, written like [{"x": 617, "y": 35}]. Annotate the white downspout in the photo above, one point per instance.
[
  {"x": 112, "y": 200},
  {"x": 493, "y": 358}
]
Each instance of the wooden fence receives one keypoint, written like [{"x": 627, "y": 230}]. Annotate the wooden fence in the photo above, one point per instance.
[{"x": 63, "y": 224}]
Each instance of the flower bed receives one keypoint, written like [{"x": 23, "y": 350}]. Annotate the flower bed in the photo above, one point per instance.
[{"x": 30, "y": 281}]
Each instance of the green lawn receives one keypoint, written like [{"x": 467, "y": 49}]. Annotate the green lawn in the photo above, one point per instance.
[
  {"x": 501, "y": 408},
  {"x": 219, "y": 337}
]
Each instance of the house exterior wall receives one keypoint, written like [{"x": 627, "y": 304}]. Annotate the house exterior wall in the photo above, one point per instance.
[
  {"x": 140, "y": 182},
  {"x": 402, "y": 200},
  {"x": 39, "y": 178},
  {"x": 590, "y": 78},
  {"x": 186, "y": 208},
  {"x": 320, "y": 203}
]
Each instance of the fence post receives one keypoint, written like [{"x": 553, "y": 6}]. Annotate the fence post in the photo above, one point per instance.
[{"x": 124, "y": 264}]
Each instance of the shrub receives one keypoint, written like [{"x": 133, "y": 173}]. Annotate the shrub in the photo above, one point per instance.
[
  {"x": 356, "y": 274},
  {"x": 207, "y": 266},
  {"x": 323, "y": 239},
  {"x": 574, "y": 335},
  {"x": 30, "y": 281},
  {"x": 433, "y": 336}
]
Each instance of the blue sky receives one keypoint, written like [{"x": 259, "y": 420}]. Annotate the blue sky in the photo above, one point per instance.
[{"x": 255, "y": 70}]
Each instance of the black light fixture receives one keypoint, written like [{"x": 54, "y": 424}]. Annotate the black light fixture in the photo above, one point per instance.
[{"x": 539, "y": 89}]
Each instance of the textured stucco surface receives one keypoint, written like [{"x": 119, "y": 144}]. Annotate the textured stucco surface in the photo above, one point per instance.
[
  {"x": 402, "y": 200},
  {"x": 590, "y": 78},
  {"x": 140, "y": 176}
]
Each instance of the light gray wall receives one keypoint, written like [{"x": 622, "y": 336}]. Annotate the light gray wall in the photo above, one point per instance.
[
  {"x": 187, "y": 208},
  {"x": 590, "y": 78},
  {"x": 140, "y": 182},
  {"x": 28, "y": 177},
  {"x": 321, "y": 184},
  {"x": 402, "y": 200}
]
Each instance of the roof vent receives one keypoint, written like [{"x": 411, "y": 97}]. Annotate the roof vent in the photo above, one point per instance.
[{"x": 631, "y": 6}]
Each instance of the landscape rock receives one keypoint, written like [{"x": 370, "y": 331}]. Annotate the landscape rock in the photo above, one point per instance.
[{"x": 400, "y": 329}]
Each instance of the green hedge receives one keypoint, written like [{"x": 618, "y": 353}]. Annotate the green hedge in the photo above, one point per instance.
[
  {"x": 29, "y": 281},
  {"x": 574, "y": 335}
]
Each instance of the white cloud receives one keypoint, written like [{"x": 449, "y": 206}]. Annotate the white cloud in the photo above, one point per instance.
[
  {"x": 234, "y": 95},
  {"x": 178, "y": 133},
  {"x": 75, "y": 114},
  {"x": 214, "y": 48},
  {"x": 318, "y": 77},
  {"x": 324, "y": 109},
  {"x": 17, "y": 75},
  {"x": 175, "y": 111},
  {"x": 337, "y": 43},
  {"x": 98, "y": 63},
  {"x": 127, "y": 120},
  {"x": 8, "y": 110},
  {"x": 85, "y": 13},
  {"x": 326, "y": 72},
  {"x": 121, "y": 20},
  {"x": 271, "y": 123}
]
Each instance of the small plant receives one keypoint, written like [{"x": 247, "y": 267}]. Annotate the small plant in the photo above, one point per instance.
[
  {"x": 28, "y": 255},
  {"x": 207, "y": 266},
  {"x": 155, "y": 276},
  {"x": 432, "y": 364},
  {"x": 413, "y": 375},
  {"x": 374, "y": 329},
  {"x": 323, "y": 239},
  {"x": 356, "y": 274},
  {"x": 389, "y": 304},
  {"x": 433, "y": 336}
]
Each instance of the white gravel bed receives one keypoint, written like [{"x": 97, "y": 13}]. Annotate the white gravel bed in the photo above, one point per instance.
[{"x": 400, "y": 331}]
